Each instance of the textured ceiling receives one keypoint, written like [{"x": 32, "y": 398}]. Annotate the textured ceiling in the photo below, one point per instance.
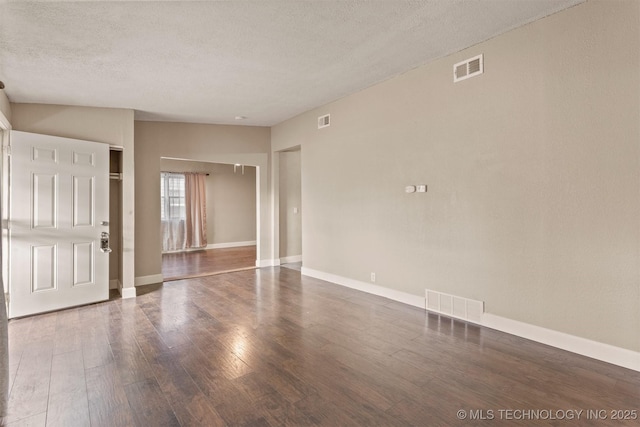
[{"x": 211, "y": 61}]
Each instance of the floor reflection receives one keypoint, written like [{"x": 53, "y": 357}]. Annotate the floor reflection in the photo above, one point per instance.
[{"x": 271, "y": 347}]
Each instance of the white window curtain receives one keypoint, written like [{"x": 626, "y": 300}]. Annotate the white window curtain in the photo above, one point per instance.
[
  {"x": 183, "y": 211},
  {"x": 196, "y": 212}
]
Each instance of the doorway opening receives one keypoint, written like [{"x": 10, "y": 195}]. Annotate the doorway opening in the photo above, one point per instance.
[
  {"x": 228, "y": 239},
  {"x": 115, "y": 222},
  {"x": 4, "y": 212}
]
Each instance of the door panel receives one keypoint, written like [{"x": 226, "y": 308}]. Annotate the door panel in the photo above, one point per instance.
[
  {"x": 45, "y": 195},
  {"x": 82, "y": 201},
  {"x": 83, "y": 159},
  {"x": 58, "y": 197},
  {"x": 43, "y": 267},
  {"x": 45, "y": 155},
  {"x": 83, "y": 263}
]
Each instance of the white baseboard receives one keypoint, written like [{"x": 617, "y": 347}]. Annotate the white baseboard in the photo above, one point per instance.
[
  {"x": 289, "y": 259},
  {"x": 594, "y": 349},
  {"x": 148, "y": 280},
  {"x": 392, "y": 294},
  {"x": 129, "y": 292},
  {"x": 585, "y": 347},
  {"x": 215, "y": 246},
  {"x": 260, "y": 263},
  {"x": 231, "y": 244}
]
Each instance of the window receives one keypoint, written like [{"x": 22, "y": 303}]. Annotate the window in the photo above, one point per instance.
[{"x": 172, "y": 201}]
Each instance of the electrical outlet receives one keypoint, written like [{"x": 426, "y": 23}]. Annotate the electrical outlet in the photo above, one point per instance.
[
  {"x": 373, "y": 277},
  {"x": 421, "y": 188}
]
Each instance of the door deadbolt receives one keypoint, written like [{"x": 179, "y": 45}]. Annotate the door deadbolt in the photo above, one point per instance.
[{"x": 104, "y": 242}]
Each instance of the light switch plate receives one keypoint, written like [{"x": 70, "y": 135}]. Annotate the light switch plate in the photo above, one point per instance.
[{"x": 421, "y": 188}]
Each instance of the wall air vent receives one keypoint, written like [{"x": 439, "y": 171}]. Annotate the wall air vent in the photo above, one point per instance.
[
  {"x": 324, "y": 121},
  {"x": 468, "y": 68}
]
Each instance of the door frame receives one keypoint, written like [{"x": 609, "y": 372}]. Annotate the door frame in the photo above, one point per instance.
[
  {"x": 5, "y": 131},
  {"x": 258, "y": 263},
  {"x": 275, "y": 188}
]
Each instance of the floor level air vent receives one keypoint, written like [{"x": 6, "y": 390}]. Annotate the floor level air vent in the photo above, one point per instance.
[
  {"x": 453, "y": 306},
  {"x": 468, "y": 68}
]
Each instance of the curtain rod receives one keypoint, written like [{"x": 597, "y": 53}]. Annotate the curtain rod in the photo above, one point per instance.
[{"x": 197, "y": 173}]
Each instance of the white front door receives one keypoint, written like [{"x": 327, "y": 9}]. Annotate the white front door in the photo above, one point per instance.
[{"x": 59, "y": 201}]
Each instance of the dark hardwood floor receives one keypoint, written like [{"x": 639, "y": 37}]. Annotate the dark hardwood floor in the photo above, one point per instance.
[
  {"x": 268, "y": 347},
  {"x": 186, "y": 265}
]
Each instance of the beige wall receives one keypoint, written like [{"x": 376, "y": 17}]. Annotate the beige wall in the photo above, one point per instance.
[
  {"x": 210, "y": 143},
  {"x": 107, "y": 125},
  {"x": 231, "y": 199},
  {"x": 533, "y": 204},
  {"x": 290, "y": 197}
]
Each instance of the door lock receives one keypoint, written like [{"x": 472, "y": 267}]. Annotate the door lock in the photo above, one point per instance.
[{"x": 104, "y": 242}]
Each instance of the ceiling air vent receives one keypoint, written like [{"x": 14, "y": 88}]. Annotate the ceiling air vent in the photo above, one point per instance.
[
  {"x": 469, "y": 68},
  {"x": 323, "y": 121}
]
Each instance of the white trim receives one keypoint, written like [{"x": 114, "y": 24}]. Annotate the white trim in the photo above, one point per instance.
[
  {"x": 293, "y": 258},
  {"x": 392, "y": 294},
  {"x": 5, "y": 135},
  {"x": 261, "y": 263},
  {"x": 129, "y": 292},
  {"x": 4, "y": 122},
  {"x": 113, "y": 284},
  {"x": 179, "y": 251},
  {"x": 215, "y": 246},
  {"x": 148, "y": 280},
  {"x": 594, "y": 349},
  {"x": 231, "y": 244}
]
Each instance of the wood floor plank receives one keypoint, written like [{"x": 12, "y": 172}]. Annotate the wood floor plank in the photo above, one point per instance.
[
  {"x": 30, "y": 392},
  {"x": 393, "y": 387},
  {"x": 43, "y": 327},
  {"x": 108, "y": 404},
  {"x": 132, "y": 366},
  {"x": 352, "y": 387},
  {"x": 68, "y": 403},
  {"x": 189, "y": 403},
  {"x": 279, "y": 411},
  {"x": 286, "y": 385},
  {"x": 38, "y": 420},
  {"x": 209, "y": 377},
  {"x": 149, "y": 405},
  {"x": 68, "y": 332},
  {"x": 323, "y": 412}
]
